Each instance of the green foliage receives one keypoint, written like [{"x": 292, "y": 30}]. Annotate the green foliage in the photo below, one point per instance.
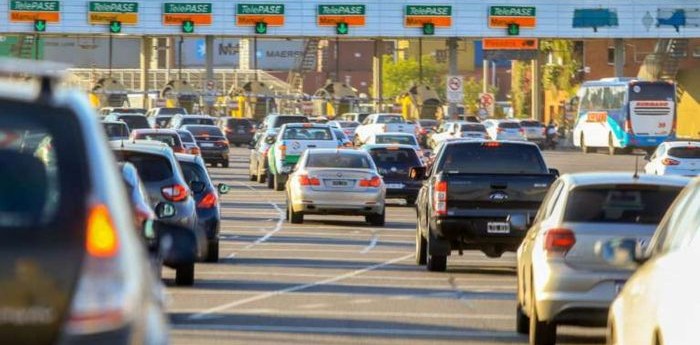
[
  {"x": 560, "y": 74},
  {"x": 472, "y": 89},
  {"x": 520, "y": 88},
  {"x": 399, "y": 76}
]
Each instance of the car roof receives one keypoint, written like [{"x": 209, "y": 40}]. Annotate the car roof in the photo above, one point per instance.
[
  {"x": 383, "y": 146},
  {"x": 198, "y": 125},
  {"x": 199, "y": 116},
  {"x": 127, "y": 114},
  {"x": 598, "y": 178},
  {"x": 456, "y": 141},
  {"x": 671, "y": 144},
  {"x": 395, "y": 133}
]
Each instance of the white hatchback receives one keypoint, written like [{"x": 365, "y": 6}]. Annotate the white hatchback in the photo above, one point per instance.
[
  {"x": 505, "y": 130},
  {"x": 675, "y": 158}
]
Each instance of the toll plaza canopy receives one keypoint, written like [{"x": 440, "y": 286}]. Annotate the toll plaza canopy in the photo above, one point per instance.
[{"x": 361, "y": 19}]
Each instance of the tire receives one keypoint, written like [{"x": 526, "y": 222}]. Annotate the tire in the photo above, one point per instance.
[
  {"x": 212, "y": 251},
  {"x": 411, "y": 202},
  {"x": 184, "y": 275},
  {"x": 421, "y": 246},
  {"x": 225, "y": 164},
  {"x": 585, "y": 149},
  {"x": 279, "y": 185},
  {"x": 261, "y": 177},
  {"x": 611, "y": 147},
  {"x": 541, "y": 332},
  {"x": 253, "y": 177},
  {"x": 270, "y": 181},
  {"x": 435, "y": 263},
  {"x": 522, "y": 322},
  {"x": 294, "y": 217},
  {"x": 376, "y": 219}
]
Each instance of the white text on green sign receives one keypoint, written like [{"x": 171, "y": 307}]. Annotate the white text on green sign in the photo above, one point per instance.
[
  {"x": 190, "y": 8},
  {"x": 260, "y": 9},
  {"x": 114, "y": 7}
]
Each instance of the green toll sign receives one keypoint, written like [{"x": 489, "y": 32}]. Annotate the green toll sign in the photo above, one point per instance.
[
  {"x": 513, "y": 29},
  {"x": 428, "y": 29},
  {"x": 260, "y": 28},
  {"x": 341, "y": 28},
  {"x": 187, "y": 26},
  {"x": 115, "y": 27},
  {"x": 40, "y": 25}
]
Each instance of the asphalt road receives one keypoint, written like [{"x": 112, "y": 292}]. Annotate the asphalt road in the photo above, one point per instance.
[{"x": 337, "y": 280}]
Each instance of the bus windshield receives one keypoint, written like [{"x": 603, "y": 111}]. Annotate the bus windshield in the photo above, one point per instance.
[{"x": 652, "y": 91}]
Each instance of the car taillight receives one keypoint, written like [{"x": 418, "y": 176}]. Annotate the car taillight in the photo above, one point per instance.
[
  {"x": 669, "y": 161},
  {"x": 103, "y": 298},
  {"x": 491, "y": 144},
  {"x": 383, "y": 128},
  {"x": 374, "y": 182},
  {"x": 195, "y": 151},
  {"x": 522, "y": 131},
  {"x": 305, "y": 180},
  {"x": 175, "y": 192},
  {"x": 440, "y": 199},
  {"x": 208, "y": 201},
  {"x": 500, "y": 130},
  {"x": 227, "y": 130},
  {"x": 252, "y": 130},
  {"x": 423, "y": 131},
  {"x": 559, "y": 241}
]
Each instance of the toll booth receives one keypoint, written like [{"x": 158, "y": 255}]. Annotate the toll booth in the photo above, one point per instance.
[
  {"x": 333, "y": 99},
  {"x": 254, "y": 100},
  {"x": 109, "y": 92},
  {"x": 420, "y": 102},
  {"x": 179, "y": 93}
]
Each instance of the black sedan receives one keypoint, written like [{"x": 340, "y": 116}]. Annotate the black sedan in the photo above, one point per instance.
[
  {"x": 394, "y": 163},
  {"x": 212, "y": 143}
]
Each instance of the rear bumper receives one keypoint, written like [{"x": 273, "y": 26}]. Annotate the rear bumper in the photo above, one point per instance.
[
  {"x": 408, "y": 191},
  {"x": 239, "y": 138},
  {"x": 214, "y": 154},
  {"x": 338, "y": 202},
  {"x": 121, "y": 336},
  {"x": 472, "y": 232}
]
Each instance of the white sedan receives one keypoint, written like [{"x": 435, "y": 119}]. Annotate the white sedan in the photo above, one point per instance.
[
  {"x": 394, "y": 138},
  {"x": 675, "y": 158}
]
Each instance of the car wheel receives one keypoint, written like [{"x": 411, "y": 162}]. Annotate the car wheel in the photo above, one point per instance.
[
  {"x": 421, "y": 246},
  {"x": 279, "y": 184},
  {"x": 294, "y": 217},
  {"x": 585, "y": 149},
  {"x": 435, "y": 263},
  {"x": 212, "y": 251},
  {"x": 522, "y": 322},
  {"x": 261, "y": 177},
  {"x": 225, "y": 164},
  {"x": 376, "y": 219},
  {"x": 270, "y": 181},
  {"x": 184, "y": 275},
  {"x": 541, "y": 332}
]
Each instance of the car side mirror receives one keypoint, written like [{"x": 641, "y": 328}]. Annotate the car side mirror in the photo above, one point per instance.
[
  {"x": 554, "y": 172},
  {"x": 270, "y": 140},
  {"x": 417, "y": 173},
  {"x": 165, "y": 210},
  {"x": 197, "y": 186},
  {"x": 623, "y": 253},
  {"x": 223, "y": 188}
]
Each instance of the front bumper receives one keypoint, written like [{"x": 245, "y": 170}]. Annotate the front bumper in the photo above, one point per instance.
[{"x": 308, "y": 201}]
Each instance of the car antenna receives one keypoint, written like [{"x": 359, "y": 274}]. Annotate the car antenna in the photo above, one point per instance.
[{"x": 636, "y": 167}]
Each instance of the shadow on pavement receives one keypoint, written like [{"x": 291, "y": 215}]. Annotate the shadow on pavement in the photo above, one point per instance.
[
  {"x": 319, "y": 240},
  {"x": 315, "y": 263}
]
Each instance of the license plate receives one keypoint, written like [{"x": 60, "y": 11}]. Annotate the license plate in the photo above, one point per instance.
[
  {"x": 498, "y": 228},
  {"x": 206, "y": 145},
  {"x": 241, "y": 131},
  {"x": 618, "y": 287},
  {"x": 394, "y": 185},
  {"x": 339, "y": 183}
]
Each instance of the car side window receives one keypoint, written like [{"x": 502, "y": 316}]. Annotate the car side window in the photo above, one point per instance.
[
  {"x": 682, "y": 226},
  {"x": 549, "y": 201}
]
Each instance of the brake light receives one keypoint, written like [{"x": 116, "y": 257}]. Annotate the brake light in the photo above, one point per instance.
[
  {"x": 209, "y": 201},
  {"x": 669, "y": 161},
  {"x": 305, "y": 180},
  {"x": 374, "y": 182},
  {"x": 423, "y": 131},
  {"x": 559, "y": 241},
  {"x": 175, "y": 192},
  {"x": 227, "y": 130},
  {"x": 101, "y": 239},
  {"x": 440, "y": 198},
  {"x": 223, "y": 143},
  {"x": 195, "y": 151},
  {"x": 252, "y": 130},
  {"x": 179, "y": 149},
  {"x": 491, "y": 144}
]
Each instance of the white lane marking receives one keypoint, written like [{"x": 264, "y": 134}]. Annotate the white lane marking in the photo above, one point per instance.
[
  {"x": 372, "y": 243},
  {"x": 417, "y": 315},
  {"x": 277, "y": 227},
  {"x": 498, "y": 280},
  {"x": 231, "y": 256},
  {"x": 266, "y": 295},
  {"x": 311, "y": 306}
]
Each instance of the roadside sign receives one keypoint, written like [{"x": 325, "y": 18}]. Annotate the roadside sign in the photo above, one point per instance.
[
  {"x": 510, "y": 44},
  {"x": 35, "y": 10},
  {"x": 115, "y": 27},
  {"x": 455, "y": 88},
  {"x": 177, "y": 13},
  {"x": 513, "y": 29},
  {"x": 501, "y": 16},
  {"x": 188, "y": 26},
  {"x": 106, "y": 12},
  {"x": 342, "y": 28},
  {"x": 417, "y": 15},
  {"x": 428, "y": 29},
  {"x": 331, "y": 15},
  {"x": 253, "y": 14},
  {"x": 40, "y": 25},
  {"x": 487, "y": 102}
]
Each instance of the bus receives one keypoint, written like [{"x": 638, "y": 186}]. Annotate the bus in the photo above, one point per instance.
[{"x": 621, "y": 114}]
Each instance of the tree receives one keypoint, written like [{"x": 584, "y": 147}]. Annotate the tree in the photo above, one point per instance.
[{"x": 399, "y": 76}]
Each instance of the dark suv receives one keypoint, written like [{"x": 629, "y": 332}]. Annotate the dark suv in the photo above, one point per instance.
[{"x": 238, "y": 131}]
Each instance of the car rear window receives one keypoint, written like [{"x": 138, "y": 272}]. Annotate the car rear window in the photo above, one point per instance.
[
  {"x": 338, "y": 160},
  {"x": 392, "y": 157},
  {"x": 390, "y": 119},
  {"x": 151, "y": 167},
  {"x": 643, "y": 204},
  {"x": 395, "y": 139},
  {"x": 171, "y": 140},
  {"x": 231, "y": 123},
  {"x": 135, "y": 121},
  {"x": 200, "y": 131},
  {"x": 508, "y": 125},
  {"x": 42, "y": 168},
  {"x": 685, "y": 152},
  {"x": 193, "y": 172},
  {"x": 186, "y": 136},
  {"x": 492, "y": 158},
  {"x": 172, "y": 111},
  {"x": 310, "y": 133},
  {"x": 473, "y": 128},
  {"x": 340, "y": 135},
  {"x": 129, "y": 110},
  {"x": 283, "y": 120},
  {"x": 197, "y": 121},
  {"x": 531, "y": 124},
  {"x": 116, "y": 130}
]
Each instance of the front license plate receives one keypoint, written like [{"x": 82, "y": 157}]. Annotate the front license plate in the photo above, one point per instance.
[
  {"x": 207, "y": 144},
  {"x": 394, "y": 185},
  {"x": 497, "y": 228}
]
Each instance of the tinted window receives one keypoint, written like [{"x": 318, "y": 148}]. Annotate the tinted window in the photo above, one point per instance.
[
  {"x": 652, "y": 91},
  {"x": 395, "y": 139},
  {"x": 390, "y": 119},
  {"x": 508, "y": 125},
  {"x": 151, "y": 168},
  {"x": 685, "y": 152},
  {"x": 530, "y": 124},
  {"x": 473, "y": 128},
  {"x": 310, "y": 133},
  {"x": 239, "y": 123},
  {"x": 186, "y": 136},
  {"x": 135, "y": 121},
  {"x": 428, "y": 123},
  {"x": 361, "y": 117},
  {"x": 171, "y": 140},
  {"x": 172, "y": 111},
  {"x": 388, "y": 157},
  {"x": 619, "y": 204},
  {"x": 193, "y": 172},
  {"x": 211, "y": 131},
  {"x": 491, "y": 158},
  {"x": 282, "y": 120},
  {"x": 338, "y": 160},
  {"x": 197, "y": 121},
  {"x": 116, "y": 130}
]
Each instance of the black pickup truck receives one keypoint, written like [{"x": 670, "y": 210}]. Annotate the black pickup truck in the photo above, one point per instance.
[{"x": 478, "y": 195}]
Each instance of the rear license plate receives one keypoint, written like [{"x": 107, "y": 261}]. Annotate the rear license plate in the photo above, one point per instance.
[
  {"x": 207, "y": 144},
  {"x": 339, "y": 183},
  {"x": 394, "y": 185},
  {"x": 497, "y": 228},
  {"x": 241, "y": 131}
]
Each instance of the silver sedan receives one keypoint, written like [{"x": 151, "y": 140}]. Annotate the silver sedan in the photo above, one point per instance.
[{"x": 336, "y": 181}]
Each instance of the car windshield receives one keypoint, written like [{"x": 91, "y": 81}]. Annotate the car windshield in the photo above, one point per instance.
[
  {"x": 151, "y": 167},
  {"x": 492, "y": 158},
  {"x": 526, "y": 123},
  {"x": 643, "y": 204},
  {"x": 197, "y": 121},
  {"x": 395, "y": 139},
  {"x": 171, "y": 140},
  {"x": 135, "y": 121},
  {"x": 394, "y": 157},
  {"x": 307, "y": 133},
  {"x": 390, "y": 119},
  {"x": 283, "y": 120},
  {"x": 690, "y": 152},
  {"x": 172, "y": 111},
  {"x": 473, "y": 128},
  {"x": 340, "y": 159},
  {"x": 203, "y": 131},
  {"x": 116, "y": 130},
  {"x": 193, "y": 172},
  {"x": 186, "y": 136}
]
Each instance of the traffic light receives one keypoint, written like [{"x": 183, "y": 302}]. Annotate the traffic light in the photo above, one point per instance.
[
  {"x": 115, "y": 27},
  {"x": 260, "y": 28},
  {"x": 40, "y": 25},
  {"x": 513, "y": 29},
  {"x": 428, "y": 29},
  {"x": 342, "y": 28},
  {"x": 188, "y": 26}
]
